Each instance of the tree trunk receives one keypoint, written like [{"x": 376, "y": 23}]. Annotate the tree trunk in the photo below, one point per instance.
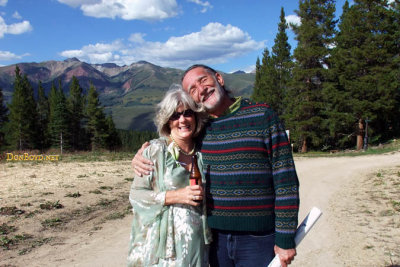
[
  {"x": 304, "y": 146},
  {"x": 61, "y": 143},
  {"x": 360, "y": 133}
]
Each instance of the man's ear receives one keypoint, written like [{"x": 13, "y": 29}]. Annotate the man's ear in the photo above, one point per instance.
[{"x": 220, "y": 79}]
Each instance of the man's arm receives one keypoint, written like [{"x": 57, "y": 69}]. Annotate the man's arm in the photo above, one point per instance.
[
  {"x": 286, "y": 186},
  {"x": 140, "y": 164}
]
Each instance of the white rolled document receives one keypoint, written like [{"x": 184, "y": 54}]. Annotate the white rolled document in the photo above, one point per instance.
[{"x": 301, "y": 232}]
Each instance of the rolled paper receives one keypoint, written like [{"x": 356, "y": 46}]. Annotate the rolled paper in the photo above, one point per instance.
[{"x": 308, "y": 222}]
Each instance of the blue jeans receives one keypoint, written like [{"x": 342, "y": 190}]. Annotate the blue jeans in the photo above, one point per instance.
[{"x": 241, "y": 249}]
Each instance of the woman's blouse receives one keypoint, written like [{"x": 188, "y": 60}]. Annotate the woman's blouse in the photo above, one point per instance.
[{"x": 173, "y": 235}]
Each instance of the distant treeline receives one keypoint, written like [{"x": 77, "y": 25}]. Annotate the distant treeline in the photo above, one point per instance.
[
  {"x": 74, "y": 123},
  {"x": 342, "y": 83},
  {"x": 133, "y": 140}
]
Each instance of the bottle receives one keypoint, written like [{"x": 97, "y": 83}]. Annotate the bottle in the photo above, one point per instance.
[{"x": 195, "y": 175}]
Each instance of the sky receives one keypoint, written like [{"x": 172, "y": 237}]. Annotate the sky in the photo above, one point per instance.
[{"x": 228, "y": 35}]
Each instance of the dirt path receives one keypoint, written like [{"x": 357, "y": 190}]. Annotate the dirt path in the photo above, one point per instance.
[{"x": 354, "y": 193}]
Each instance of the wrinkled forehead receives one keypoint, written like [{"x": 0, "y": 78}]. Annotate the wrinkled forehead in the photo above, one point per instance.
[{"x": 193, "y": 76}]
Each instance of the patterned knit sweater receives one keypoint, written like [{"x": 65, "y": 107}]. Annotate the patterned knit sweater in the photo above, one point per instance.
[{"x": 252, "y": 182}]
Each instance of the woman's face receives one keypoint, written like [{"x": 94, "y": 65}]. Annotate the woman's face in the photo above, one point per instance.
[{"x": 182, "y": 124}]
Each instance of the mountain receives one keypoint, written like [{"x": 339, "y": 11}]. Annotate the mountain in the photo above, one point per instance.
[
  {"x": 129, "y": 93},
  {"x": 238, "y": 72}
]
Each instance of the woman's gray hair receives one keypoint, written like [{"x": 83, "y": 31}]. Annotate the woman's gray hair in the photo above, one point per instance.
[{"x": 173, "y": 99}]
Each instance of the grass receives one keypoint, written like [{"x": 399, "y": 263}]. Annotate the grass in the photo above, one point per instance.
[
  {"x": 8, "y": 242},
  {"x": 53, "y": 222},
  {"x": 96, "y": 156},
  {"x": 97, "y": 192},
  {"x": 35, "y": 243},
  {"x": 51, "y": 205},
  {"x": 74, "y": 195},
  {"x": 396, "y": 205},
  {"x": 115, "y": 216},
  {"x": 47, "y": 193},
  {"x": 391, "y": 146},
  {"x": 104, "y": 187},
  {"x": 105, "y": 202},
  {"x": 5, "y": 229},
  {"x": 11, "y": 211}
]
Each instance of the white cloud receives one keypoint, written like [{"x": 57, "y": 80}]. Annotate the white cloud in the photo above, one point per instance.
[
  {"x": 293, "y": 19},
  {"x": 137, "y": 38},
  {"x": 76, "y": 3},
  {"x": 214, "y": 43},
  {"x": 97, "y": 53},
  {"x": 16, "y": 28},
  {"x": 19, "y": 28},
  {"x": 126, "y": 9},
  {"x": 206, "y": 5},
  {"x": 7, "y": 55},
  {"x": 3, "y": 2},
  {"x": 16, "y": 15}
]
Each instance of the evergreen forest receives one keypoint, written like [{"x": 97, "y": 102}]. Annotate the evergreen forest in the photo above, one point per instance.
[
  {"x": 341, "y": 86},
  {"x": 76, "y": 122}
]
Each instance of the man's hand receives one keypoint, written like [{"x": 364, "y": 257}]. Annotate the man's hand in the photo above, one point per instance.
[
  {"x": 189, "y": 195},
  {"x": 285, "y": 255},
  {"x": 140, "y": 164}
]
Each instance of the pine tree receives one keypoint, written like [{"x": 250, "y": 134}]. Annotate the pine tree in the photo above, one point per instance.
[
  {"x": 59, "y": 118},
  {"x": 3, "y": 119},
  {"x": 256, "y": 88},
  {"x": 96, "y": 125},
  {"x": 338, "y": 120},
  {"x": 76, "y": 102},
  {"x": 273, "y": 75},
  {"x": 113, "y": 140},
  {"x": 23, "y": 131},
  {"x": 365, "y": 64},
  {"x": 282, "y": 62},
  {"x": 315, "y": 38},
  {"x": 43, "y": 110},
  {"x": 265, "y": 84}
]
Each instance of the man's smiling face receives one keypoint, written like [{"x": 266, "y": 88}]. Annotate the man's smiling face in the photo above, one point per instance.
[{"x": 204, "y": 87}]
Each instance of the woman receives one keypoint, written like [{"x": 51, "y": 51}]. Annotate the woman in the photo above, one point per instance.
[{"x": 169, "y": 226}]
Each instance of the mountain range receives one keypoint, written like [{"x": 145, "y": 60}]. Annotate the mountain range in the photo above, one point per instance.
[{"x": 129, "y": 93}]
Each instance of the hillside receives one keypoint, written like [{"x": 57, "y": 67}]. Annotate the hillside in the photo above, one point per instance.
[{"x": 129, "y": 93}]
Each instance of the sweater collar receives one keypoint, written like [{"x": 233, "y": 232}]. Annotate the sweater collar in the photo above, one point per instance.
[{"x": 232, "y": 108}]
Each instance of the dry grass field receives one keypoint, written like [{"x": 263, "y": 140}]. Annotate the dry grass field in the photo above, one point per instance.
[{"x": 47, "y": 202}]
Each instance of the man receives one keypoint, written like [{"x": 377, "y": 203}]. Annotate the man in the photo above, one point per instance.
[{"x": 252, "y": 187}]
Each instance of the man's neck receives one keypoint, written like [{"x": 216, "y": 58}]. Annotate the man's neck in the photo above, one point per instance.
[{"x": 225, "y": 104}]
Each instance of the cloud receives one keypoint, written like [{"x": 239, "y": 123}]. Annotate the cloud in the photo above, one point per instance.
[
  {"x": 16, "y": 28},
  {"x": 76, "y": 3},
  {"x": 206, "y": 5},
  {"x": 293, "y": 19},
  {"x": 213, "y": 44},
  {"x": 97, "y": 53},
  {"x": 16, "y": 15},
  {"x": 7, "y": 55},
  {"x": 126, "y": 9},
  {"x": 3, "y": 2},
  {"x": 137, "y": 38}
]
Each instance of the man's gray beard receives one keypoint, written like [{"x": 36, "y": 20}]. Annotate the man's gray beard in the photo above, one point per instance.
[{"x": 221, "y": 96}]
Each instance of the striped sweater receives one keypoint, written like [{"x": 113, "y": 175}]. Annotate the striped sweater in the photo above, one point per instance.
[{"x": 252, "y": 182}]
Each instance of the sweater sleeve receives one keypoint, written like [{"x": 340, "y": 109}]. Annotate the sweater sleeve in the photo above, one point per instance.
[{"x": 286, "y": 183}]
